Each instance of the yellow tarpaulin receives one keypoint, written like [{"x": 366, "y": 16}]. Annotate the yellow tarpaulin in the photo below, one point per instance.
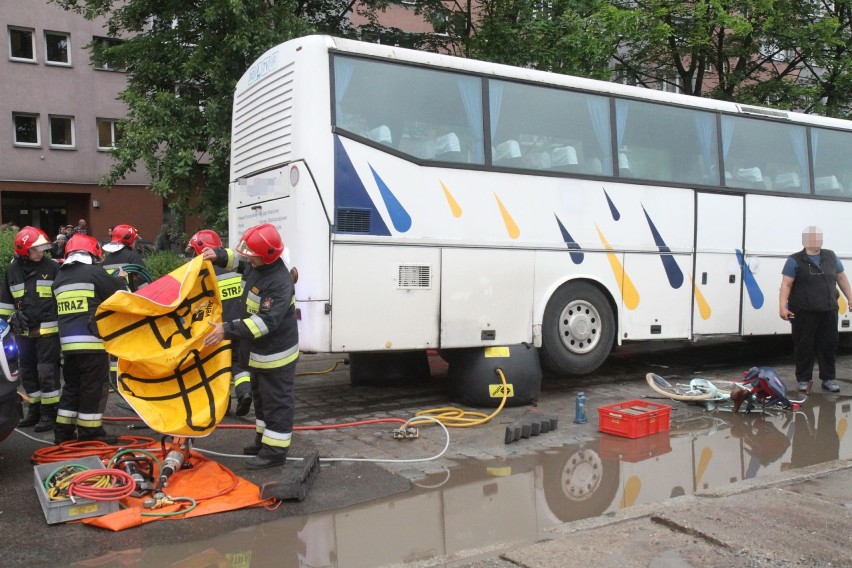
[{"x": 176, "y": 384}]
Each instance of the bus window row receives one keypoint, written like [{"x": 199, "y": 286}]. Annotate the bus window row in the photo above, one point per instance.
[{"x": 451, "y": 117}]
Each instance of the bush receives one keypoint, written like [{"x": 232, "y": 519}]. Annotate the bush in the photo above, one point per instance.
[
  {"x": 160, "y": 263},
  {"x": 7, "y": 249}
]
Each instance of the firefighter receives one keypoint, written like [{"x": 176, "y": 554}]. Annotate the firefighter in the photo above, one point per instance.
[
  {"x": 27, "y": 302},
  {"x": 121, "y": 252},
  {"x": 230, "y": 285},
  {"x": 270, "y": 340},
  {"x": 80, "y": 287}
]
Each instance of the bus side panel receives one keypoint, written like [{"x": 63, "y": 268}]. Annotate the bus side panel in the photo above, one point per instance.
[
  {"x": 657, "y": 294},
  {"x": 385, "y": 297},
  {"x": 298, "y": 217},
  {"x": 773, "y": 231},
  {"x": 488, "y": 297}
]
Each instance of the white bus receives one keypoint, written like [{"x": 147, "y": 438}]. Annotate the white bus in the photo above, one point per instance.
[{"x": 435, "y": 202}]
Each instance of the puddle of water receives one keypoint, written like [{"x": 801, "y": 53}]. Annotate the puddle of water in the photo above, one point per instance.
[{"x": 484, "y": 506}]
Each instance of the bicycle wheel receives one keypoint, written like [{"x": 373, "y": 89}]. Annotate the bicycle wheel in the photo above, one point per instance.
[{"x": 676, "y": 392}]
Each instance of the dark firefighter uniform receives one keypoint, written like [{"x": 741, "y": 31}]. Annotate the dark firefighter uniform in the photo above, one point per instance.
[
  {"x": 230, "y": 284},
  {"x": 269, "y": 349},
  {"x": 79, "y": 289},
  {"x": 28, "y": 290},
  {"x": 113, "y": 262}
]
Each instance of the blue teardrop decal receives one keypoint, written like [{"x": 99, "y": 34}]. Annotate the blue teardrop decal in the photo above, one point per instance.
[
  {"x": 673, "y": 271},
  {"x": 399, "y": 216},
  {"x": 351, "y": 197},
  {"x": 576, "y": 257},
  {"x": 753, "y": 290},
  {"x": 615, "y": 214}
]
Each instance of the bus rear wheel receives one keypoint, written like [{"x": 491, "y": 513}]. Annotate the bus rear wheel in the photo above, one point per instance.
[{"x": 578, "y": 329}]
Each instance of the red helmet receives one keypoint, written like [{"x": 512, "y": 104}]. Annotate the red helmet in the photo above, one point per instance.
[
  {"x": 204, "y": 238},
  {"x": 84, "y": 243},
  {"x": 124, "y": 234},
  {"x": 262, "y": 241},
  {"x": 31, "y": 238}
]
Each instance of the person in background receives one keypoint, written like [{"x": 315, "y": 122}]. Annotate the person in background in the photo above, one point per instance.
[
  {"x": 808, "y": 300},
  {"x": 230, "y": 285},
  {"x": 80, "y": 287},
  {"x": 27, "y": 303},
  {"x": 164, "y": 238},
  {"x": 270, "y": 339},
  {"x": 57, "y": 251},
  {"x": 82, "y": 228}
]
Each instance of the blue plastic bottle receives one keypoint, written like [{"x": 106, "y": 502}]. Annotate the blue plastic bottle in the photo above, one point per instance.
[{"x": 580, "y": 409}]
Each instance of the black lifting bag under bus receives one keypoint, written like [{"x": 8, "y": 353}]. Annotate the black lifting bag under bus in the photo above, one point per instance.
[{"x": 11, "y": 408}]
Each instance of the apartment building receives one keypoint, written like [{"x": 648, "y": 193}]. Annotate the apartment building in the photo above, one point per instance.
[{"x": 58, "y": 113}]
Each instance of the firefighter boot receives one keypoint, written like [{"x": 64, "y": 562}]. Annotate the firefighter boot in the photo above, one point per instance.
[
  {"x": 33, "y": 416},
  {"x": 48, "y": 418},
  {"x": 64, "y": 433},
  {"x": 253, "y": 449},
  {"x": 267, "y": 457}
]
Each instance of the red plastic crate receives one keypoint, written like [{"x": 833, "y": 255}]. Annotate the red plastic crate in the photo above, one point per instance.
[{"x": 634, "y": 418}]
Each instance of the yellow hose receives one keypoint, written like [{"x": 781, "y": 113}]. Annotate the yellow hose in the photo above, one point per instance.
[{"x": 452, "y": 417}]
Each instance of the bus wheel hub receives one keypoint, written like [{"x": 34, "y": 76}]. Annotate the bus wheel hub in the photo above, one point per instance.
[{"x": 579, "y": 326}]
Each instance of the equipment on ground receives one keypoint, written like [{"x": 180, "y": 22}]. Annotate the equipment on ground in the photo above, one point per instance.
[
  {"x": 177, "y": 457},
  {"x": 296, "y": 480}
]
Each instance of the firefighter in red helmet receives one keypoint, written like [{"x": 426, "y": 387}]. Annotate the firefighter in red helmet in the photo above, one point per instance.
[
  {"x": 231, "y": 293},
  {"x": 27, "y": 303},
  {"x": 80, "y": 287},
  {"x": 270, "y": 339},
  {"x": 120, "y": 252}
]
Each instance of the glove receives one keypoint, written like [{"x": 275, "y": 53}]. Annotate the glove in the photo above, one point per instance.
[{"x": 19, "y": 322}]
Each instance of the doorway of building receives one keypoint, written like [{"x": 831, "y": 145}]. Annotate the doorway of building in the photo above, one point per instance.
[{"x": 46, "y": 211}]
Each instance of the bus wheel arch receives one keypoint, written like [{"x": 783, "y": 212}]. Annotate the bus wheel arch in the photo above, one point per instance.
[{"x": 578, "y": 328}]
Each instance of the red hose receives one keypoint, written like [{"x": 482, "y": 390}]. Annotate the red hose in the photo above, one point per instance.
[{"x": 121, "y": 485}]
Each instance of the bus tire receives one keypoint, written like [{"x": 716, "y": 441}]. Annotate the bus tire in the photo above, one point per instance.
[{"x": 578, "y": 329}]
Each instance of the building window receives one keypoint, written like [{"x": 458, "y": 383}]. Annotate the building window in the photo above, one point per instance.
[
  {"x": 21, "y": 44},
  {"x": 61, "y": 131},
  {"x": 26, "y": 129},
  {"x": 108, "y": 133},
  {"x": 99, "y": 44},
  {"x": 57, "y": 48}
]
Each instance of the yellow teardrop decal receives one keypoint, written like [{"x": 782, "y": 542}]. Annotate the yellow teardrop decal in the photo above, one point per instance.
[
  {"x": 455, "y": 208},
  {"x": 511, "y": 226},
  {"x": 703, "y": 462},
  {"x": 625, "y": 284},
  {"x": 703, "y": 307}
]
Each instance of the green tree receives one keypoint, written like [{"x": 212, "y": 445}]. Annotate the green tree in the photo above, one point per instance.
[{"x": 183, "y": 60}]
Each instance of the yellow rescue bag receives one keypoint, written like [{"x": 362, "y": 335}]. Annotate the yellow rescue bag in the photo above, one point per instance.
[{"x": 176, "y": 384}]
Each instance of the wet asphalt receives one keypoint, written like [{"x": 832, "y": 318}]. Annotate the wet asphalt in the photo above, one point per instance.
[{"x": 427, "y": 501}]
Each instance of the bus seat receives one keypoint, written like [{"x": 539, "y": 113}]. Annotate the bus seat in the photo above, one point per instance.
[
  {"x": 448, "y": 148},
  {"x": 753, "y": 175},
  {"x": 538, "y": 160},
  {"x": 508, "y": 154},
  {"x": 826, "y": 184},
  {"x": 564, "y": 158},
  {"x": 380, "y": 134},
  {"x": 623, "y": 165},
  {"x": 787, "y": 180},
  {"x": 594, "y": 167}
]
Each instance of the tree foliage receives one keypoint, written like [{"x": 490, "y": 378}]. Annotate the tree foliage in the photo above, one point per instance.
[{"x": 183, "y": 60}]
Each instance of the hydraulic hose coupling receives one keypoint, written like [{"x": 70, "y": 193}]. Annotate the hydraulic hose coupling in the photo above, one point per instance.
[{"x": 580, "y": 408}]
